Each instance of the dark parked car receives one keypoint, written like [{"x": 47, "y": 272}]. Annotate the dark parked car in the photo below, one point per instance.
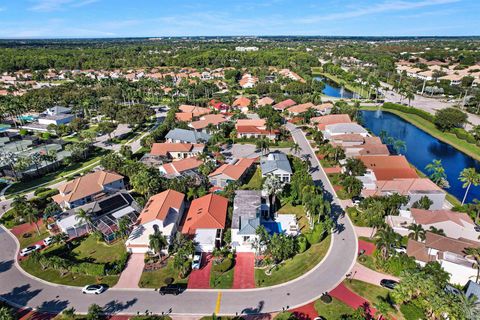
[
  {"x": 174, "y": 289},
  {"x": 388, "y": 283}
]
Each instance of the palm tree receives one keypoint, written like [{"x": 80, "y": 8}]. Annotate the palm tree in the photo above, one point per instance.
[
  {"x": 417, "y": 232},
  {"x": 31, "y": 216},
  {"x": 474, "y": 253},
  {"x": 273, "y": 187},
  {"x": 437, "y": 174},
  {"x": 6, "y": 313},
  {"x": 385, "y": 239},
  {"x": 469, "y": 176},
  {"x": 262, "y": 145},
  {"x": 157, "y": 242},
  {"x": 399, "y": 146},
  {"x": 470, "y": 307},
  {"x": 123, "y": 226},
  {"x": 233, "y": 135},
  {"x": 295, "y": 148},
  {"x": 84, "y": 217},
  {"x": 68, "y": 314}
]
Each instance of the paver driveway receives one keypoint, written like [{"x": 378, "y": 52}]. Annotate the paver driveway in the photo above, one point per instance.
[
  {"x": 133, "y": 271},
  {"x": 200, "y": 279},
  {"x": 243, "y": 272}
]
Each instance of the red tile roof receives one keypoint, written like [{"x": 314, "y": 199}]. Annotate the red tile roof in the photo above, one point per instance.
[
  {"x": 234, "y": 171},
  {"x": 159, "y": 205},
  {"x": 242, "y": 102},
  {"x": 207, "y": 212},
  {"x": 284, "y": 104},
  {"x": 162, "y": 149},
  {"x": 177, "y": 167},
  {"x": 435, "y": 216}
]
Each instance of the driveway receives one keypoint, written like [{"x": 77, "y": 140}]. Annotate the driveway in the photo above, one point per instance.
[
  {"x": 133, "y": 271},
  {"x": 360, "y": 272},
  {"x": 244, "y": 271},
  {"x": 248, "y": 151},
  {"x": 342, "y": 293},
  {"x": 200, "y": 279},
  {"x": 23, "y": 290}
]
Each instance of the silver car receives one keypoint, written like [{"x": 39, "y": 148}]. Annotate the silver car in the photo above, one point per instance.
[
  {"x": 26, "y": 251},
  {"x": 197, "y": 261}
]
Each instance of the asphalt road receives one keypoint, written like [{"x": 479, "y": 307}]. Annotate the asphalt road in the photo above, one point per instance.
[{"x": 22, "y": 290}]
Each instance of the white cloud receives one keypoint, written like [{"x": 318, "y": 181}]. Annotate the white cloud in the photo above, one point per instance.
[
  {"x": 384, "y": 7},
  {"x": 55, "y": 5}
]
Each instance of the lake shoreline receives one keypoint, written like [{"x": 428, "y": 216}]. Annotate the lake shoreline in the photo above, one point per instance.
[{"x": 434, "y": 133}]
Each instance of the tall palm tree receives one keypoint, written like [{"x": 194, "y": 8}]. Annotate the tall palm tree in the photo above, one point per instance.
[
  {"x": 273, "y": 187},
  {"x": 469, "y": 176},
  {"x": 474, "y": 253},
  {"x": 437, "y": 173},
  {"x": 417, "y": 232},
  {"x": 157, "y": 242},
  {"x": 295, "y": 148},
  {"x": 83, "y": 216},
  {"x": 31, "y": 216},
  {"x": 386, "y": 239},
  {"x": 470, "y": 307}
]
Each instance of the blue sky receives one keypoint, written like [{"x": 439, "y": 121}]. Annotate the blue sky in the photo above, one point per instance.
[{"x": 148, "y": 18}]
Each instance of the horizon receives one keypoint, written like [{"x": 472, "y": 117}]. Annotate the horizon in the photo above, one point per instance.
[{"x": 110, "y": 19}]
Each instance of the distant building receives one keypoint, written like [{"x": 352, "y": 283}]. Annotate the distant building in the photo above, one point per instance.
[{"x": 246, "y": 49}]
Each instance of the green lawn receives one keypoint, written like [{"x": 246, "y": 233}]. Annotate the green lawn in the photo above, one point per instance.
[
  {"x": 372, "y": 293},
  {"x": 8, "y": 220},
  {"x": 295, "y": 267},
  {"x": 80, "y": 250},
  {"x": 450, "y": 138},
  {"x": 35, "y": 237},
  {"x": 56, "y": 176},
  {"x": 255, "y": 182},
  {"x": 101, "y": 252},
  {"x": 333, "y": 310},
  {"x": 221, "y": 280},
  {"x": 156, "y": 279},
  {"x": 299, "y": 212},
  {"x": 70, "y": 279}
]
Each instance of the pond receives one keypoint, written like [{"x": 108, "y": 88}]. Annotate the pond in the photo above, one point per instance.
[
  {"x": 422, "y": 148},
  {"x": 333, "y": 89}
]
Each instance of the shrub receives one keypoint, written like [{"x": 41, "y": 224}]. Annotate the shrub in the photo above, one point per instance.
[
  {"x": 423, "y": 114},
  {"x": 223, "y": 266},
  {"x": 47, "y": 194},
  {"x": 317, "y": 234},
  {"x": 118, "y": 266},
  {"x": 302, "y": 243},
  {"x": 326, "y": 298},
  {"x": 285, "y": 316},
  {"x": 40, "y": 190},
  {"x": 88, "y": 268},
  {"x": 411, "y": 312},
  {"x": 449, "y": 118}
]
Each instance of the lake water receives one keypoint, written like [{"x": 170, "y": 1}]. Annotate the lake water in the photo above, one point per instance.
[
  {"x": 332, "y": 89},
  {"x": 422, "y": 148}
]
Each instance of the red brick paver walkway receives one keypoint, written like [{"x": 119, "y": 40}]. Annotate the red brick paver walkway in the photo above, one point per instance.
[
  {"x": 368, "y": 247},
  {"x": 133, "y": 271},
  {"x": 342, "y": 293},
  {"x": 244, "y": 271},
  {"x": 306, "y": 312},
  {"x": 200, "y": 279}
]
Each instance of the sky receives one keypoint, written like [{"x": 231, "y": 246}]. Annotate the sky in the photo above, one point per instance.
[{"x": 162, "y": 18}]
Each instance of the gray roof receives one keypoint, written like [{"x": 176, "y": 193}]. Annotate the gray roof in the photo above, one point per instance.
[
  {"x": 472, "y": 289},
  {"x": 246, "y": 208},
  {"x": 345, "y": 128},
  {"x": 249, "y": 227},
  {"x": 275, "y": 161},
  {"x": 189, "y": 136}
]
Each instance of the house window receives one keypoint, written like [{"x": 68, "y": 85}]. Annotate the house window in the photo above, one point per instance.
[{"x": 246, "y": 238}]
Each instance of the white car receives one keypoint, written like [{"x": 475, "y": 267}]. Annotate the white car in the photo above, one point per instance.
[
  {"x": 26, "y": 251},
  {"x": 94, "y": 289},
  {"x": 401, "y": 250},
  {"x": 48, "y": 241},
  {"x": 197, "y": 261}
]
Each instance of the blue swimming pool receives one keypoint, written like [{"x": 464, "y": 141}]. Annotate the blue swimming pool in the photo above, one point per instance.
[
  {"x": 272, "y": 226},
  {"x": 28, "y": 118}
]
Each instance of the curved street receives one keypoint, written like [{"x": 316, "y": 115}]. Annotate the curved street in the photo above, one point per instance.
[{"x": 22, "y": 290}]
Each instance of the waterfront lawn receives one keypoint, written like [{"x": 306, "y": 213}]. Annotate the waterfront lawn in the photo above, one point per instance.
[
  {"x": 429, "y": 127},
  {"x": 255, "y": 182},
  {"x": 156, "y": 278},
  {"x": 220, "y": 280},
  {"x": 299, "y": 212},
  {"x": 333, "y": 310},
  {"x": 294, "y": 267}
]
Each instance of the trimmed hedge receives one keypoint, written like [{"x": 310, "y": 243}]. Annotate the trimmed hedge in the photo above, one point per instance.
[
  {"x": 40, "y": 190},
  {"x": 422, "y": 114},
  {"x": 464, "y": 135}
]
